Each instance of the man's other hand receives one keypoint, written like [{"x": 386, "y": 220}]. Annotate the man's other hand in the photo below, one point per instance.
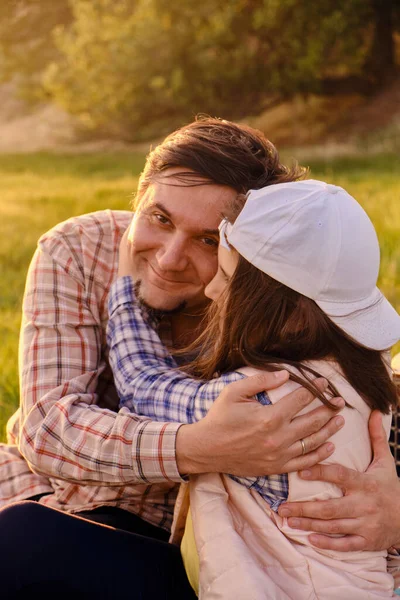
[{"x": 368, "y": 515}]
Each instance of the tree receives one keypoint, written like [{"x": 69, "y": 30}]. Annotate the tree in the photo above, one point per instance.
[
  {"x": 26, "y": 43},
  {"x": 137, "y": 68}
]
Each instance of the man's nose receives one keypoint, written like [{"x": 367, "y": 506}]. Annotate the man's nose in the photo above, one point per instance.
[{"x": 172, "y": 256}]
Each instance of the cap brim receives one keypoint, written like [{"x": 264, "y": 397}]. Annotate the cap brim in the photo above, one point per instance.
[{"x": 372, "y": 322}]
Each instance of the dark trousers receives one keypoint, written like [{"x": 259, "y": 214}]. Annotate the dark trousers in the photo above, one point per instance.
[{"x": 58, "y": 556}]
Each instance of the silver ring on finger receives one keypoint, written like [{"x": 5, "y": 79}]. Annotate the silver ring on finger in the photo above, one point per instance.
[{"x": 303, "y": 445}]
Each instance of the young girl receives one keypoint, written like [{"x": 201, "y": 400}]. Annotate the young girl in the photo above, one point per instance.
[{"x": 295, "y": 289}]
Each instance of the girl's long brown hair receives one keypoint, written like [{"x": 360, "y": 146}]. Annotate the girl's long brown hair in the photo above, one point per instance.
[{"x": 262, "y": 323}]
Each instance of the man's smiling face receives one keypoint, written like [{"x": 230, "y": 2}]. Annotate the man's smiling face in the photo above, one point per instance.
[{"x": 174, "y": 241}]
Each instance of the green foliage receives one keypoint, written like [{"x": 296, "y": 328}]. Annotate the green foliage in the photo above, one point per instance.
[
  {"x": 26, "y": 44},
  {"x": 36, "y": 192},
  {"x": 135, "y": 69}
]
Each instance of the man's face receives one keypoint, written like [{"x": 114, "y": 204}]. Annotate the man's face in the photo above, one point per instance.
[{"x": 174, "y": 241}]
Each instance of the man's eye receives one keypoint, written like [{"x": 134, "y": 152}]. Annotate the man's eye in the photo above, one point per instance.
[
  {"x": 161, "y": 219},
  {"x": 210, "y": 242}
]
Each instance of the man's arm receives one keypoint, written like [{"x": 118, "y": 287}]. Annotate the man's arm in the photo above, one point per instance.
[
  {"x": 64, "y": 432},
  {"x": 368, "y": 514}
]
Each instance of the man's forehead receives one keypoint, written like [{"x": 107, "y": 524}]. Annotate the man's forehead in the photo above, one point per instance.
[
  {"x": 192, "y": 221},
  {"x": 198, "y": 207}
]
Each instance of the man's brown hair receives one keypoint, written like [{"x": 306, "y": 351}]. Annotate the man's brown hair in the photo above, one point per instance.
[{"x": 214, "y": 151}]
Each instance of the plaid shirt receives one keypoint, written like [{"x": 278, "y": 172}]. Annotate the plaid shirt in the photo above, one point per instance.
[
  {"x": 78, "y": 447},
  {"x": 149, "y": 383}
]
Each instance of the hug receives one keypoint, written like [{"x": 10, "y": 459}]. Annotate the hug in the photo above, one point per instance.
[{"x": 206, "y": 391}]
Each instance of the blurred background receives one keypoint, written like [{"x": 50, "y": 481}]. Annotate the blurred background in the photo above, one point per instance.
[{"x": 88, "y": 87}]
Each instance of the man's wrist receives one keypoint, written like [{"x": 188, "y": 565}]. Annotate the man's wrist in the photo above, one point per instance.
[{"x": 191, "y": 457}]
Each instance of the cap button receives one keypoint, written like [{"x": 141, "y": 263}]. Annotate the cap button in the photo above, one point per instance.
[{"x": 332, "y": 189}]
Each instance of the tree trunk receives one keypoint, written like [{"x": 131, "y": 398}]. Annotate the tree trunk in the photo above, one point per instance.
[
  {"x": 381, "y": 60},
  {"x": 352, "y": 84}
]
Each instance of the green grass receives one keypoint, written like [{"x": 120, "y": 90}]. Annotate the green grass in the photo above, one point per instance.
[{"x": 39, "y": 190}]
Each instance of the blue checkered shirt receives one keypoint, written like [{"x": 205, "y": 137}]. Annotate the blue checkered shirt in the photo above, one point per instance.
[{"x": 149, "y": 382}]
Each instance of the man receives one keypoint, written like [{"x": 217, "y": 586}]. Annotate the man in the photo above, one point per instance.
[{"x": 69, "y": 447}]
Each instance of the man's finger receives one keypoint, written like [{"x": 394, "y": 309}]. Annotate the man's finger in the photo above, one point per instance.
[
  {"x": 250, "y": 386},
  {"x": 310, "y": 459},
  {"x": 330, "y": 527},
  {"x": 380, "y": 446},
  {"x": 316, "y": 427},
  {"x": 349, "y": 543},
  {"x": 336, "y": 508},
  {"x": 314, "y": 440},
  {"x": 343, "y": 477},
  {"x": 294, "y": 402}
]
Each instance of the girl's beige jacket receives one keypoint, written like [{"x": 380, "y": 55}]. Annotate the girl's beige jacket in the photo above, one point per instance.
[{"x": 248, "y": 552}]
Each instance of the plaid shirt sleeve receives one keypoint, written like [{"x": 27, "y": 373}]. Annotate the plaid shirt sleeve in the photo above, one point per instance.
[
  {"x": 148, "y": 381},
  {"x": 66, "y": 432},
  {"x": 147, "y": 378}
]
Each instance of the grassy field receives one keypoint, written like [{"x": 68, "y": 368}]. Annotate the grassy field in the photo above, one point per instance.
[{"x": 39, "y": 190}]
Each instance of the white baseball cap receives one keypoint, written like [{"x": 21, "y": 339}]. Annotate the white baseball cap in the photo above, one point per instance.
[{"x": 317, "y": 240}]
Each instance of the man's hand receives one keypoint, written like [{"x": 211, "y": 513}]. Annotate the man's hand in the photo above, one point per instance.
[
  {"x": 369, "y": 512},
  {"x": 244, "y": 438}
]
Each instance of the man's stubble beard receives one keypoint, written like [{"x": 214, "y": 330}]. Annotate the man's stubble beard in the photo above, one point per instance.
[{"x": 156, "y": 313}]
